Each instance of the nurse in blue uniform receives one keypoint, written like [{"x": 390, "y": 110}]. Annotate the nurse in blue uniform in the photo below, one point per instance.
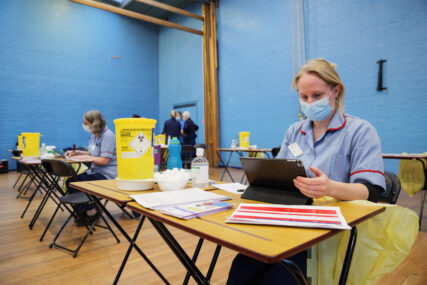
[
  {"x": 341, "y": 153},
  {"x": 102, "y": 152}
]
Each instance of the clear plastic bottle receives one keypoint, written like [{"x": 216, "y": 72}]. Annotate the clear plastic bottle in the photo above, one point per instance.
[
  {"x": 233, "y": 143},
  {"x": 200, "y": 170},
  {"x": 43, "y": 150}
]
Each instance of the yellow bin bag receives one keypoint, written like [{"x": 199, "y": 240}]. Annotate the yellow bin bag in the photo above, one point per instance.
[
  {"x": 134, "y": 137},
  {"x": 411, "y": 175},
  {"x": 30, "y": 144},
  {"x": 382, "y": 243},
  {"x": 244, "y": 139}
]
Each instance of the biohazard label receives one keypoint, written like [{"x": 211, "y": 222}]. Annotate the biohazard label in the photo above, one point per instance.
[{"x": 134, "y": 143}]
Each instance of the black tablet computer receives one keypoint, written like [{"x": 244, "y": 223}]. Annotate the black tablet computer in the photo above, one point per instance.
[{"x": 271, "y": 180}]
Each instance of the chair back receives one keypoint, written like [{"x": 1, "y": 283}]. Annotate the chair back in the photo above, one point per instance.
[
  {"x": 393, "y": 188},
  {"x": 275, "y": 151},
  {"x": 59, "y": 168}
]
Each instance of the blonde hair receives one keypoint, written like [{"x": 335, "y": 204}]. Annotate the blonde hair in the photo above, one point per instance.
[
  {"x": 326, "y": 71},
  {"x": 97, "y": 120}
]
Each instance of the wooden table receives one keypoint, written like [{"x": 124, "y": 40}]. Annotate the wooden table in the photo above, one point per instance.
[
  {"x": 108, "y": 190},
  {"x": 268, "y": 244},
  {"x": 420, "y": 158},
  {"x": 239, "y": 151}
]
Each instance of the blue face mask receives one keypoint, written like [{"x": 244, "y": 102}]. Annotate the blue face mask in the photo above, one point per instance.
[{"x": 318, "y": 110}]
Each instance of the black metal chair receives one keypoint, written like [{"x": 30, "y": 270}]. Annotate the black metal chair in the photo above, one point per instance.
[
  {"x": 275, "y": 151},
  {"x": 60, "y": 168},
  {"x": 187, "y": 155},
  {"x": 393, "y": 188}
]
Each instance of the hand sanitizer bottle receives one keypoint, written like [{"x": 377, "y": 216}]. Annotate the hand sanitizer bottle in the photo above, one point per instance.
[{"x": 200, "y": 170}]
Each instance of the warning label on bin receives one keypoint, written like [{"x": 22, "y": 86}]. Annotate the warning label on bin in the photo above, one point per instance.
[{"x": 134, "y": 143}]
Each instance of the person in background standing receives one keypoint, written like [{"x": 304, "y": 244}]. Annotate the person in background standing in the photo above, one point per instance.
[
  {"x": 189, "y": 130},
  {"x": 181, "y": 123},
  {"x": 171, "y": 128}
]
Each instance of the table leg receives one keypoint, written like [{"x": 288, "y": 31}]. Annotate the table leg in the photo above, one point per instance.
[
  {"x": 131, "y": 246},
  {"x": 422, "y": 208},
  {"x": 213, "y": 263},
  {"x": 178, "y": 251},
  {"x": 295, "y": 271},
  {"x": 195, "y": 255},
  {"x": 225, "y": 165},
  {"x": 119, "y": 227},
  {"x": 348, "y": 255},
  {"x": 424, "y": 194}
]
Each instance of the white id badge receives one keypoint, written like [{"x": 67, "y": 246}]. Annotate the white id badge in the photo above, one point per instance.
[{"x": 295, "y": 149}]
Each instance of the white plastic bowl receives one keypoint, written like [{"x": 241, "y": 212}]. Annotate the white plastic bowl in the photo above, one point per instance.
[
  {"x": 172, "y": 184},
  {"x": 135, "y": 185}
]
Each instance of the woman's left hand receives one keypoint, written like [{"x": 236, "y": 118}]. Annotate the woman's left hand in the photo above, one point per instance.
[{"x": 315, "y": 187}]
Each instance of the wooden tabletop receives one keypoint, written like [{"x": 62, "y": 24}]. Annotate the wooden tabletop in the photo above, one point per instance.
[
  {"x": 269, "y": 244},
  {"x": 246, "y": 149},
  {"x": 108, "y": 190},
  {"x": 38, "y": 161},
  {"x": 404, "y": 156}
]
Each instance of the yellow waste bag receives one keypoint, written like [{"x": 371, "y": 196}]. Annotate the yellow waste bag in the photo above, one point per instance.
[
  {"x": 81, "y": 167},
  {"x": 411, "y": 175},
  {"x": 382, "y": 243}
]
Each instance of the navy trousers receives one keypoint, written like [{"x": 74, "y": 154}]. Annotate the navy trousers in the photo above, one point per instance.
[{"x": 248, "y": 271}]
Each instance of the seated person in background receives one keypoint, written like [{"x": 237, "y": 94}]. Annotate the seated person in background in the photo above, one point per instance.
[
  {"x": 171, "y": 128},
  {"x": 189, "y": 130},
  {"x": 102, "y": 152},
  {"x": 342, "y": 155}
]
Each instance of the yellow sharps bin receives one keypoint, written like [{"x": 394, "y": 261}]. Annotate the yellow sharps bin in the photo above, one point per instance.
[
  {"x": 135, "y": 161},
  {"x": 244, "y": 139},
  {"x": 20, "y": 146},
  {"x": 30, "y": 145}
]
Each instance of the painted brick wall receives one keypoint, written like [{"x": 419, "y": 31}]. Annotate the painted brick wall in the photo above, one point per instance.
[
  {"x": 56, "y": 63},
  {"x": 181, "y": 69},
  {"x": 255, "y": 66}
]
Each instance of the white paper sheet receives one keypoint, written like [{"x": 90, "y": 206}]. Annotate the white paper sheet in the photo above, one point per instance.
[
  {"x": 287, "y": 215},
  {"x": 159, "y": 200},
  {"x": 235, "y": 188}
]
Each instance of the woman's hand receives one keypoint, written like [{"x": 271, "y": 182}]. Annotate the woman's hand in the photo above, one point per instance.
[
  {"x": 70, "y": 153},
  {"x": 315, "y": 187}
]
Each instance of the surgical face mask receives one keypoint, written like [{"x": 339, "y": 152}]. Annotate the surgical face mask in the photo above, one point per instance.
[
  {"x": 87, "y": 128},
  {"x": 178, "y": 118},
  {"x": 318, "y": 110}
]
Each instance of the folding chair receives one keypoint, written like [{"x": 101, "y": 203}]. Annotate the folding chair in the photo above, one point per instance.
[
  {"x": 61, "y": 168},
  {"x": 393, "y": 188}
]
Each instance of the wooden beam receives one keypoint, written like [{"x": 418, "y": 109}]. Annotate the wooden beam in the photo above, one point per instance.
[
  {"x": 171, "y": 9},
  {"x": 138, "y": 16},
  {"x": 210, "y": 78}
]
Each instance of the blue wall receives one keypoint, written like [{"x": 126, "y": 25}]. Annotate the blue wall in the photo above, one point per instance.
[
  {"x": 56, "y": 64},
  {"x": 181, "y": 69},
  {"x": 255, "y": 66}
]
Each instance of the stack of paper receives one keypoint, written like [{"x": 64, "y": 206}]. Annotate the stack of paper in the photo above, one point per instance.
[
  {"x": 159, "y": 200},
  {"x": 236, "y": 188},
  {"x": 294, "y": 216},
  {"x": 195, "y": 210}
]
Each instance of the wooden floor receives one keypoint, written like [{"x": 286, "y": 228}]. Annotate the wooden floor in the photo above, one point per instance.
[{"x": 26, "y": 260}]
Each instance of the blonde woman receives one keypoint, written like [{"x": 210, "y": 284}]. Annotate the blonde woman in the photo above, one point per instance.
[
  {"x": 102, "y": 152},
  {"x": 342, "y": 155}
]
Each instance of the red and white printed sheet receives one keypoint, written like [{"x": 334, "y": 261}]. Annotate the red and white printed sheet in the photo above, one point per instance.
[{"x": 292, "y": 216}]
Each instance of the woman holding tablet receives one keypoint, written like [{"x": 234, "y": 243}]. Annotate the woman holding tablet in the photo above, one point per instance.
[{"x": 342, "y": 155}]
